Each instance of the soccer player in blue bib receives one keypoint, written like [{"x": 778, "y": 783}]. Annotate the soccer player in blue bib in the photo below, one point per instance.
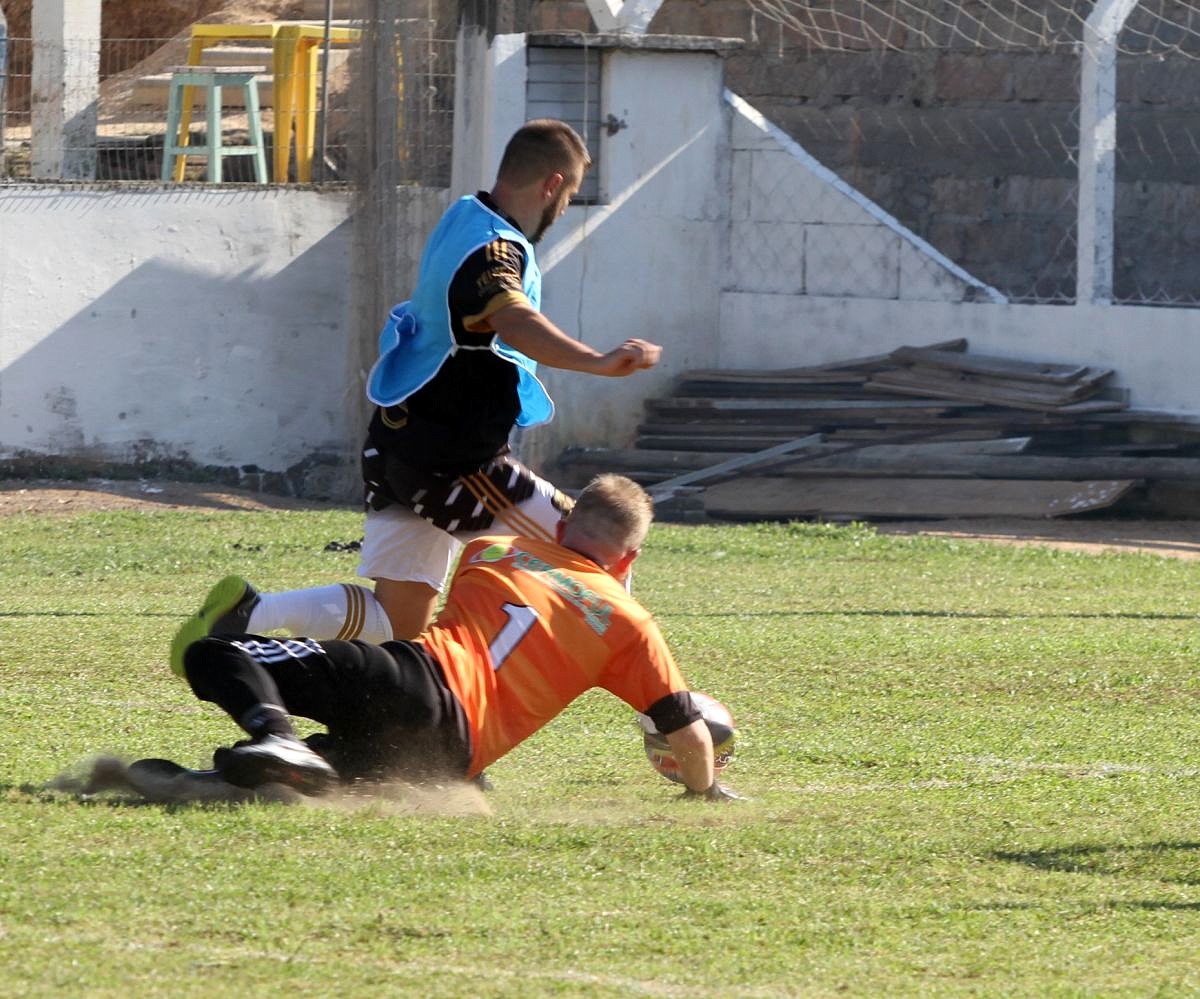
[{"x": 457, "y": 371}]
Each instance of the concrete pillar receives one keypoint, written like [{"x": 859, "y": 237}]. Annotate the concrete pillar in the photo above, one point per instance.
[
  {"x": 496, "y": 17},
  {"x": 489, "y": 105},
  {"x": 1098, "y": 151},
  {"x": 632, "y": 16},
  {"x": 3, "y": 85},
  {"x": 65, "y": 88}
]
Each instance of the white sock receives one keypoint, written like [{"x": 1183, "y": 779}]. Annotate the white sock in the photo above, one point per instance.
[{"x": 343, "y": 610}]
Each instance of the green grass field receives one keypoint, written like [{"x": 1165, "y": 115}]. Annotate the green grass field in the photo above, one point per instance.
[{"x": 973, "y": 771}]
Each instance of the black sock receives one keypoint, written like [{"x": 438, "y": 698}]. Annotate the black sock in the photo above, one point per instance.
[{"x": 267, "y": 719}]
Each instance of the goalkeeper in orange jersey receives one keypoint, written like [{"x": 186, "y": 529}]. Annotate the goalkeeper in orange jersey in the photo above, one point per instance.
[{"x": 528, "y": 626}]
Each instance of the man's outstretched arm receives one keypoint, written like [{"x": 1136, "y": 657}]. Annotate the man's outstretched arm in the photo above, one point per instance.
[
  {"x": 692, "y": 747},
  {"x": 521, "y": 326}
]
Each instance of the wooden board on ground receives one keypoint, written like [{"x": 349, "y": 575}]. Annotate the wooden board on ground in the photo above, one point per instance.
[
  {"x": 738, "y": 463},
  {"x": 818, "y": 372},
  {"x": 997, "y": 366},
  {"x": 702, "y": 408},
  {"x": 777, "y": 498},
  {"x": 1030, "y": 467},
  {"x": 908, "y": 381},
  {"x": 594, "y": 460},
  {"x": 726, "y": 444}
]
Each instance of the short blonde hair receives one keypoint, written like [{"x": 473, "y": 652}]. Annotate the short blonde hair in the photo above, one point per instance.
[
  {"x": 613, "y": 512},
  {"x": 541, "y": 147}
]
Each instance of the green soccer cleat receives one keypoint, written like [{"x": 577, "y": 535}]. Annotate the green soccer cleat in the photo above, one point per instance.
[{"x": 226, "y": 611}]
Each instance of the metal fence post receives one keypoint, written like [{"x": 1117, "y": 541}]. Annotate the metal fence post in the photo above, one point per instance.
[
  {"x": 322, "y": 128},
  {"x": 1098, "y": 150},
  {"x": 3, "y": 87}
]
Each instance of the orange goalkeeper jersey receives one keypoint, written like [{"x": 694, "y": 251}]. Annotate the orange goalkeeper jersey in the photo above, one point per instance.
[{"x": 528, "y": 626}]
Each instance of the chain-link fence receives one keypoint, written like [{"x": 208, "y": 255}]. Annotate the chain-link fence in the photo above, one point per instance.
[
  {"x": 799, "y": 229},
  {"x": 962, "y": 120},
  {"x": 1158, "y": 156},
  {"x": 96, "y": 110}
]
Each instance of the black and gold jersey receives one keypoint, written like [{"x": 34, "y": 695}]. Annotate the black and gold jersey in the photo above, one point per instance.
[{"x": 463, "y": 417}]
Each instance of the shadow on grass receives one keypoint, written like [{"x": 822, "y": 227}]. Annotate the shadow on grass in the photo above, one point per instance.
[
  {"x": 998, "y": 615},
  {"x": 1144, "y": 905},
  {"x": 112, "y": 613},
  {"x": 1168, "y": 860},
  {"x": 41, "y": 794}
]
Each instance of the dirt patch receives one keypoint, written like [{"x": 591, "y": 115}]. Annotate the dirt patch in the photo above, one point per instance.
[
  {"x": 122, "y": 19},
  {"x": 37, "y": 496},
  {"x": 1170, "y": 538}
]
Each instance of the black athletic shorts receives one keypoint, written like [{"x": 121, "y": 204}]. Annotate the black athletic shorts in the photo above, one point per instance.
[{"x": 387, "y": 707}]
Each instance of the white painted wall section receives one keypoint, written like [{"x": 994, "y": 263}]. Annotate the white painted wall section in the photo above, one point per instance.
[
  {"x": 1136, "y": 341},
  {"x": 489, "y": 105},
  {"x": 65, "y": 88},
  {"x": 648, "y": 262},
  {"x": 207, "y": 325}
]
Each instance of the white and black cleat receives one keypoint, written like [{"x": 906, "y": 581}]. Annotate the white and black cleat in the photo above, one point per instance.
[{"x": 275, "y": 759}]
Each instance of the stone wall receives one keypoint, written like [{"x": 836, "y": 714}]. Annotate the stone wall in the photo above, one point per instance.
[{"x": 973, "y": 150}]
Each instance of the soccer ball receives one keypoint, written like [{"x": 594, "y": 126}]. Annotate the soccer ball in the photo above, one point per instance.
[{"x": 720, "y": 726}]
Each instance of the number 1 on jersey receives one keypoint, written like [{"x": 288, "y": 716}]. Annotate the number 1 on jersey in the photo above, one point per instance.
[{"x": 520, "y": 620}]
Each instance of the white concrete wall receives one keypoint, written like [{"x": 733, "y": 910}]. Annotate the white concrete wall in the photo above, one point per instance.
[
  {"x": 489, "y": 105},
  {"x": 798, "y": 228},
  {"x": 217, "y": 326},
  {"x": 214, "y": 327},
  {"x": 205, "y": 325},
  {"x": 819, "y": 274},
  {"x": 648, "y": 262},
  {"x": 1155, "y": 352}
]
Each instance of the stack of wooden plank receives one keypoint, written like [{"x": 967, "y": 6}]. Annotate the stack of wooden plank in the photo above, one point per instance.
[{"x": 919, "y": 432}]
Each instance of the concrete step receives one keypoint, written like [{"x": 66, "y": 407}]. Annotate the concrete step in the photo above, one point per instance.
[
  {"x": 237, "y": 55},
  {"x": 312, "y": 10},
  {"x": 154, "y": 90},
  {"x": 253, "y": 55}
]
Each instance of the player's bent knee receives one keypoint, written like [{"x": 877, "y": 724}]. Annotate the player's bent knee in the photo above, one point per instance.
[
  {"x": 366, "y": 617},
  {"x": 205, "y": 660},
  {"x": 408, "y": 604}
]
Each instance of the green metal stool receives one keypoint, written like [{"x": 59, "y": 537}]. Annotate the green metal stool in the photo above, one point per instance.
[{"x": 212, "y": 79}]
